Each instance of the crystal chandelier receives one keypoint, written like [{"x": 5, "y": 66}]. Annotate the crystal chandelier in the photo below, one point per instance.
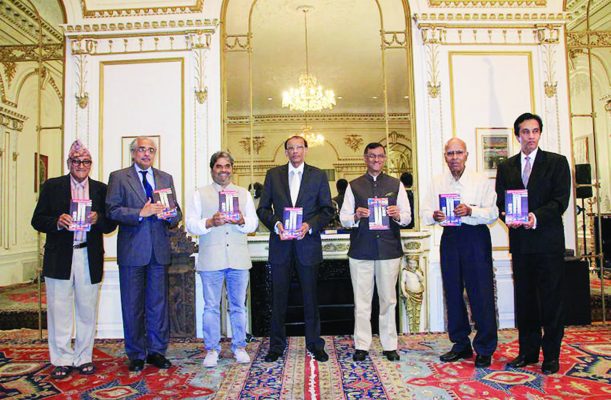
[
  {"x": 309, "y": 95},
  {"x": 313, "y": 138}
]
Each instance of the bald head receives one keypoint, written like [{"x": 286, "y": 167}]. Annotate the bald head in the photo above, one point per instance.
[{"x": 456, "y": 156}]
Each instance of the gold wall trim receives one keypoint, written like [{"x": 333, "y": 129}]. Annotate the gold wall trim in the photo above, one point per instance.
[
  {"x": 487, "y": 3},
  {"x": 32, "y": 52},
  {"x": 11, "y": 119},
  {"x": 140, "y": 11},
  {"x": 70, "y": 30},
  {"x": 489, "y": 53},
  {"x": 104, "y": 64},
  {"x": 588, "y": 39},
  {"x": 232, "y": 120},
  {"x": 26, "y": 19},
  {"x": 506, "y": 17}
]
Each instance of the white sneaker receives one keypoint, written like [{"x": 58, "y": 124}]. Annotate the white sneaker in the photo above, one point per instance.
[
  {"x": 241, "y": 356},
  {"x": 211, "y": 359}
]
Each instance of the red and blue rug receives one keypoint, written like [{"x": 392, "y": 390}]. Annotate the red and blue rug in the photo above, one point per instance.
[{"x": 585, "y": 372}]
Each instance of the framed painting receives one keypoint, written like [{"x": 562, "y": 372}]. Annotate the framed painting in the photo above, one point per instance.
[
  {"x": 494, "y": 145},
  {"x": 126, "y": 155}
]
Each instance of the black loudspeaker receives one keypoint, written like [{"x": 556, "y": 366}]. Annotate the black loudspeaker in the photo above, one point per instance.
[
  {"x": 583, "y": 176},
  {"x": 576, "y": 293}
]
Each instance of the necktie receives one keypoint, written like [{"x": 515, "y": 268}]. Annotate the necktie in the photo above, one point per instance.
[
  {"x": 295, "y": 181},
  {"x": 147, "y": 186},
  {"x": 526, "y": 173}
]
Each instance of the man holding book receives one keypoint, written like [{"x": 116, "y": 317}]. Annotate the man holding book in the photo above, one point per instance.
[
  {"x": 375, "y": 207},
  {"x": 73, "y": 261},
  {"x": 464, "y": 203},
  {"x": 536, "y": 242},
  {"x": 143, "y": 252},
  {"x": 295, "y": 206},
  {"x": 222, "y": 214}
]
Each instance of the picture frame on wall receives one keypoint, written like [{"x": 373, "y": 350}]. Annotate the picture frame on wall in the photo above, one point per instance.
[
  {"x": 494, "y": 145},
  {"x": 581, "y": 150},
  {"x": 126, "y": 156},
  {"x": 41, "y": 170}
]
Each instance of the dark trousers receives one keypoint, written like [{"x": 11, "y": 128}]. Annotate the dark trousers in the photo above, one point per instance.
[
  {"x": 466, "y": 262},
  {"x": 144, "y": 305},
  {"x": 281, "y": 283},
  {"x": 537, "y": 280}
]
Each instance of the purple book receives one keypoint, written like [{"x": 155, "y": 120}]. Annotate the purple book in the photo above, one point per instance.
[
  {"x": 167, "y": 198},
  {"x": 378, "y": 217},
  {"x": 229, "y": 204},
  {"x": 293, "y": 218},
  {"x": 447, "y": 203},
  {"x": 516, "y": 206},
  {"x": 79, "y": 211}
]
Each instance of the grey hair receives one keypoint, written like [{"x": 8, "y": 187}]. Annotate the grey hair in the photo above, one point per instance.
[
  {"x": 220, "y": 154},
  {"x": 134, "y": 144}
]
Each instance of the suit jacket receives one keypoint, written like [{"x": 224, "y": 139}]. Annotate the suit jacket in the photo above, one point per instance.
[
  {"x": 54, "y": 200},
  {"x": 138, "y": 239},
  {"x": 549, "y": 189},
  {"x": 315, "y": 198}
]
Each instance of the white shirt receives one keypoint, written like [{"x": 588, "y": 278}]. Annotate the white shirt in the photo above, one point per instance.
[
  {"x": 197, "y": 225},
  {"x": 475, "y": 190},
  {"x": 346, "y": 214}
]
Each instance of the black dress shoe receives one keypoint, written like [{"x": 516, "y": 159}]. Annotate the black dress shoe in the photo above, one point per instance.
[
  {"x": 483, "y": 361},
  {"x": 452, "y": 355},
  {"x": 391, "y": 355},
  {"x": 136, "y": 365},
  {"x": 158, "y": 360},
  {"x": 550, "y": 366},
  {"x": 360, "y": 355},
  {"x": 522, "y": 360},
  {"x": 320, "y": 355},
  {"x": 272, "y": 356}
]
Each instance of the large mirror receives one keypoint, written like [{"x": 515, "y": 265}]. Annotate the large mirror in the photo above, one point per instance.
[{"x": 358, "y": 49}]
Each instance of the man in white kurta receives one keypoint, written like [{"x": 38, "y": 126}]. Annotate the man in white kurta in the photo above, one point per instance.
[{"x": 223, "y": 254}]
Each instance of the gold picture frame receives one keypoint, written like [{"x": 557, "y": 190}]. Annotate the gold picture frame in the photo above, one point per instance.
[
  {"x": 126, "y": 156},
  {"x": 494, "y": 145}
]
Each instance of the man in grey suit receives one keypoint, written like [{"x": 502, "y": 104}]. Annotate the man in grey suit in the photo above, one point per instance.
[{"x": 143, "y": 254}]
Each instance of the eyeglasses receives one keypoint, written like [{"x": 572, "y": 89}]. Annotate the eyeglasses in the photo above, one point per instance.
[
  {"x": 376, "y": 156},
  {"x": 455, "y": 153},
  {"x": 295, "y": 148},
  {"x": 150, "y": 150},
  {"x": 76, "y": 163}
]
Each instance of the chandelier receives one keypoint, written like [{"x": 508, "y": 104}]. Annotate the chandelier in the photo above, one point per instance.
[
  {"x": 313, "y": 138},
  {"x": 309, "y": 95}
]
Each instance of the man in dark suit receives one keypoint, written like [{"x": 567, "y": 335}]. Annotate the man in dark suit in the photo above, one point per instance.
[
  {"x": 537, "y": 246},
  {"x": 73, "y": 262},
  {"x": 143, "y": 254},
  {"x": 295, "y": 184}
]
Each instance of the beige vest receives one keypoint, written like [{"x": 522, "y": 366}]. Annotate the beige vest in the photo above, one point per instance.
[{"x": 224, "y": 246}]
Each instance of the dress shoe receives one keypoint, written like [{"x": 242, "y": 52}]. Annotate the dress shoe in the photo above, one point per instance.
[
  {"x": 136, "y": 365},
  {"x": 521, "y": 361},
  {"x": 360, "y": 355},
  {"x": 272, "y": 356},
  {"x": 158, "y": 360},
  {"x": 320, "y": 355},
  {"x": 482, "y": 361},
  {"x": 550, "y": 366},
  {"x": 392, "y": 355},
  {"x": 452, "y": 355}
]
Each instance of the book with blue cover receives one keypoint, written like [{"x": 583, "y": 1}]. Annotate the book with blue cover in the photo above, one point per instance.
[
  {"x": 447, "y": 203},
  {"x": 229, "y": 204},
  {"x": 293, "y": 218},
  {"x": 167, "y": 198},
  {"x": 516, "y": 206},
  {"x": 79, "y": 211},
  {"x": 378, "y": 216}
]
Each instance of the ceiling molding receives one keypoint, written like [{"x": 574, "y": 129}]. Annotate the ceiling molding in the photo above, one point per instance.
[
  {"x": 299, "y": 118},
  {"x": 496, "y": 18},
  {"x": 92, "y": 12},
  {"x": 21, "y": 17},
  {"x": 137, "y": 27},
  {"x": 487, "y": 3},
  {"x": 577, "y": 10}
]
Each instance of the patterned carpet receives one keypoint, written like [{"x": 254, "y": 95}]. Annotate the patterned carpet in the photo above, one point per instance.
[
  {"x": 585, "y": 372},
  {"x": 19, "y": 306}
]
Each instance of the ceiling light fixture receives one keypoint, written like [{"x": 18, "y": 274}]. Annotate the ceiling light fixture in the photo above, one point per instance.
[{"x": 309, "y": 95}]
